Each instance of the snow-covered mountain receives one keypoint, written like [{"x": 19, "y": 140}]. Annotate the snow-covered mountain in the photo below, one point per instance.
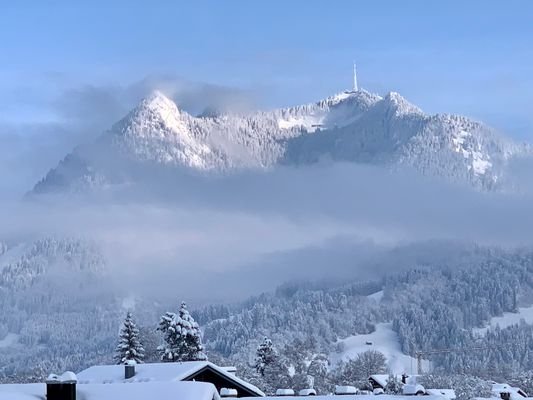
[{"x": 355, "y": 126}]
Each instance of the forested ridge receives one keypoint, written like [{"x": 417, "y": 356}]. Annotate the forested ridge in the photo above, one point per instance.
[{"x": 431, "y": 305}]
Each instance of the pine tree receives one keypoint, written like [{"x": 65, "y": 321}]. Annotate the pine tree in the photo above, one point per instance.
[
  {"x": 129, "y": 347},
  {"x": 394, "y": 385},
  {"x": 272, "y": 369},
  {"x": 183, "y": 341},
  {"x": 266, "y": 355}
]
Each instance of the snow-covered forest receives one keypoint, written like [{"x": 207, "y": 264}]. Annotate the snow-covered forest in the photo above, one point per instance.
[{"x": 431, "y": 306}]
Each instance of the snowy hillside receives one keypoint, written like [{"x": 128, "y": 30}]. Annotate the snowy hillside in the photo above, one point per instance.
[
  {"x": 434, "y": 305},
  {"x": 63, "y": 311},
  {"x": 53, "y": 296},
  {"x": 384, "y": 340},
  {"x": 22, "y": 265},
  {"x": 354, "y": 126},
  {"x": 523, "y": 315}
]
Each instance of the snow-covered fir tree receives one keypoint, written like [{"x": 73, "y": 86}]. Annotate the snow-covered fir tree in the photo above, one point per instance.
[
  {"x": 430, "y": 306},
  {"x": 309, "y": 365},
  {"x": 183, "y": 340},
  {"x": 129, "y": 346},
  {"x": 266, "y": 355},
  {"x": 394, "y": 385},
  {"x": 356, "y": 371}
]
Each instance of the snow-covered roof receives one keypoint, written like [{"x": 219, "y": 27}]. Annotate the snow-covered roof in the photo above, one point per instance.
[
  {"x": 347, "y": 397},
  {"x": 448, "y": 393},
  {"x": 505, "y": 388},
  {"x": 225, "y": 392},
  {"x": 159, "y": 372},
  {"x": 307, "y": 392},
  {"x": 380, "y": 379},
  {"x": 26, "y": 391},
  {"x": 16, "y": 396},
  {"x": 284, "y": 392},
  {"x": 412, "y": 389},
  {"x": 146, "y": 391},
  {"x": 67, "y": 377},
  {"x": 487, "y": 398},
  {"x": 345, "y": 389}
]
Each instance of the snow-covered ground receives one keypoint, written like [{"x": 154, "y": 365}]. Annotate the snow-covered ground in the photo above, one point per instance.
[
  {"x": 480, "y": 161},
  {"x": 376, "y": 296},
  {"x": 508, "y": 319},
  {"x": 134, "y": 391},
  {"x": 384, "y": 340},
  {"x": 9, "y": 340}
]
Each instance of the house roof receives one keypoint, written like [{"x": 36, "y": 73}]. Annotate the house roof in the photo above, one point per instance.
[
  {"x": 516, "y": 393},
  {"x": 146, "y": 391},
  {"x": 159, "y": 372},
  {"x": 380, "y": 379},
  {"x": 348, "y": 397},
  {"x": 448, "y": 393},
  {"x": 17, "y": 396},
  {"x": 504, "y": 387}
]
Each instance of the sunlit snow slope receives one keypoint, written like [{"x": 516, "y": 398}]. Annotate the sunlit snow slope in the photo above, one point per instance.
[{"x": 384, "y": 340}]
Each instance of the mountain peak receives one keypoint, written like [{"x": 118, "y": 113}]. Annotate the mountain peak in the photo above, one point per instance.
[
  {"x": 400, "y": 105},
  {"x": 352, "y": 95},
  {"x": 158, "y": 102},
  {"x": 152, "y": 113}
]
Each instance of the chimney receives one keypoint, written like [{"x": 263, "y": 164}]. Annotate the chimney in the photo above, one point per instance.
[
  {"x": 228, "y": 393},
  {"x": 129, "y": 369},
  {"x": 61, "y": 387}
]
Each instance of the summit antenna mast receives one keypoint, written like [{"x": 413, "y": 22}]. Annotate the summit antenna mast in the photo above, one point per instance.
[{"x": 355, "y": 87}]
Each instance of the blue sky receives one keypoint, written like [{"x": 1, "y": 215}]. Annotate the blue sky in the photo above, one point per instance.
[{"x": 468, "y": 57}]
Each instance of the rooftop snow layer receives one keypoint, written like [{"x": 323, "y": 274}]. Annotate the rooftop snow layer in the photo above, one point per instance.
[
  {"x": 146, "y": 391},
  {"x": 156, "y": 372},
  {"x": 348, "y": 397}
]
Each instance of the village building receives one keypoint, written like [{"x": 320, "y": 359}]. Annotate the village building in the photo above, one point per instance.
[
  {"x": 198, "y": 371},
  {"x": 508, "y": 392},
  {"x": 448, "y": 393},
  {"x": 410, "y": 387},
  {"x": 351, "y": 397},
  {"x": 379, "y": 381}
]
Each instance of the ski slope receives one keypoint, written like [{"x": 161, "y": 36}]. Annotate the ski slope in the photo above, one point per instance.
[
  {"x": 384, "y": 340},
  {"x": 9, "y": 340},
  {"x": 377, "y": 296},
  {"x": 508, "y": 319}
]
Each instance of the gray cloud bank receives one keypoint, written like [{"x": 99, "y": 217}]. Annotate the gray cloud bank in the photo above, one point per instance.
[{"x": 244, "y": 233}]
